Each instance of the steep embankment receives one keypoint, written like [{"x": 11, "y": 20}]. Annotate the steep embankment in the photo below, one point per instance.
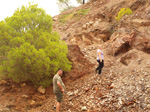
[{"x": 125, "y": 82}]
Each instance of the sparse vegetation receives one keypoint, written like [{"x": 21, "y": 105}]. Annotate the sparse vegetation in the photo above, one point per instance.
[
  {"x": 122, "y": 12},
  {"x": 73, "y": 16}
]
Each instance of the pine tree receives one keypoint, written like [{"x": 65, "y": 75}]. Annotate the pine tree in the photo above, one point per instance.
[{"x": 32, "y": 50}]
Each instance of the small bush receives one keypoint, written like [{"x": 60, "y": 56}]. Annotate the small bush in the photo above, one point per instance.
[{"x": 122, "y": 12}]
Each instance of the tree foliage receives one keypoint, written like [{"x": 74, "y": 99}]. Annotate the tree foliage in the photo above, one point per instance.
[
  {"x": 32, "y": 51},
  {"x": 66, "y": 4},
  {"x": 122, "y": 12},
  {"x": 80, "y": 1}
]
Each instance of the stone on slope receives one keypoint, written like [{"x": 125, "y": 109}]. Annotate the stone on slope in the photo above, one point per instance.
[
  {"x": 84, "y": 108},
  {"x": 41, "y": 90}
]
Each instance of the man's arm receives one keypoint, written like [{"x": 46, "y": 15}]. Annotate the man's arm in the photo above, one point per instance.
[
  {"x": 59, "y": 85},
  {"x": 99, "y": 54}
]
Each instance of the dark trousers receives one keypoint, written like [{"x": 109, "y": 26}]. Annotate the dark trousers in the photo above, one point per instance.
[{"x": 101, "y": 65}]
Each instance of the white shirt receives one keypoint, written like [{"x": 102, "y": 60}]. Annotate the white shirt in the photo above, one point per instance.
[{"x": 101, "y": 54}]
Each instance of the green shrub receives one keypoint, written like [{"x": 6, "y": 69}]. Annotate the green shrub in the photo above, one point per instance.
[
  {"x": 122, "y": 12},
  {"x": 33, "y": 52},
  {"x": 73, "y": 16}
]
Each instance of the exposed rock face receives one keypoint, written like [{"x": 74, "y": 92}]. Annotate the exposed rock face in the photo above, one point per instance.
[
  {"x": 81, "y": 66},
  {"x": 119, "y": 43}
]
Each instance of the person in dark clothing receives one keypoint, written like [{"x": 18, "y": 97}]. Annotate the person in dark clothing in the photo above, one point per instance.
[{"x": 100, "y": 60}]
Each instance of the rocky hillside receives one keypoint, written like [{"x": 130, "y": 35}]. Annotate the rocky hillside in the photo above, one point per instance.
[
  {"x": 100, "y": 28},
  {"x": 125, "y": 81}
]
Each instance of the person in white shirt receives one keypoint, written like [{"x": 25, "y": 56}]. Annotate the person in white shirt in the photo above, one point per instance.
[{"x": 100, "y": 60}]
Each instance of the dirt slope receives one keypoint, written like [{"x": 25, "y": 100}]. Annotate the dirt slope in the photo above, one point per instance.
[{"x": 125, "y": 81}]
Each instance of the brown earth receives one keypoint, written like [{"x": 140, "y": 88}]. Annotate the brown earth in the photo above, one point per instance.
[{"x": 124, "y": 85}]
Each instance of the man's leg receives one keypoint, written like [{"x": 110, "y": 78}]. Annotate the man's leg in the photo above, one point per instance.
[
  {"x": 98, "y": 66},
  {"x": 101, "y": 66},
  {"x": 59, "y": 100},
  {"x": 97, "y": 69},
  {"x": 57, "y": 106},
  {"x": 100, "y": 70}
]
